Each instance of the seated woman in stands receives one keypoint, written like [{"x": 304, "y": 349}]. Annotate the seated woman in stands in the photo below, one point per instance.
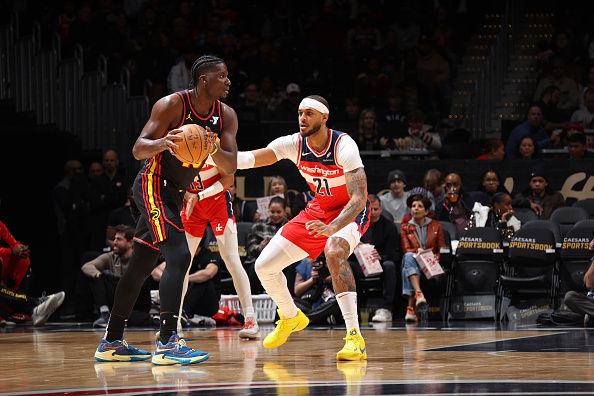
[
  {"x": 500, "y": 216},
  {"x": 420, "y": 233}
]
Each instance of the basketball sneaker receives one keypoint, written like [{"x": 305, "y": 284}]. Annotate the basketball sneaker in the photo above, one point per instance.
[
  {"x": 250, "y": 330},
  {"x": 410, "y": 315},
  {"x": 177, "y": 352},
  {"x": 46, "y": 308},
  {"x": 420, "y": 297},
  {"x": 354, "y": 347},
  {"x": 284, "y": 328},
  {"x": 119, "y": 351}
]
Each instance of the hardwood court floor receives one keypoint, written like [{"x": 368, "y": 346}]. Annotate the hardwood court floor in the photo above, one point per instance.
[{"x": 480, "y": 359}]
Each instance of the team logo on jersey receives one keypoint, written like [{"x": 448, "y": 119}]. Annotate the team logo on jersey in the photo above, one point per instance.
[
  {"x": 189, "y": 117},
  {"x": 219, "y": 228},
  {"x": 214, "y": 120},
  {"x": 155, "y": 214}
]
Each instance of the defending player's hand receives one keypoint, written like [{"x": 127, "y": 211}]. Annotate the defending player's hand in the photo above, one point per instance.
[
  {"x": 169, "y": 141},
  {"x": 317, "y": 228},
  {"x": 191, "y": 200}
]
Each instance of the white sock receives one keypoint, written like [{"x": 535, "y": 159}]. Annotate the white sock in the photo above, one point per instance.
[
  {"x": 228, "y": 248},
  {"x": 103, "y": 308},
  {"x": 347, "y": 302},
  {"x": 278, "y": 254}
]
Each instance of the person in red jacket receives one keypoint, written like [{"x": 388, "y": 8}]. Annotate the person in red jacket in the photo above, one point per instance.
[
  {"x": 421, "y": 232},
  {"x": 14, "y": 260}
]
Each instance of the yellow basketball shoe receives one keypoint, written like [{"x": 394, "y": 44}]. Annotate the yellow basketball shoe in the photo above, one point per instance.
[
  {"x": 354, "y": 347},
  {"x": 284, "y": 328}
]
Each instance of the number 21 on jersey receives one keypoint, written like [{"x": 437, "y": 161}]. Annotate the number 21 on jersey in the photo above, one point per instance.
[{"x": 322, "y": 187}]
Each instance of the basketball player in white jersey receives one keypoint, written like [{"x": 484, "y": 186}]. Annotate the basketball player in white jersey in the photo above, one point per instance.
[{"x": 332, "y": 222}]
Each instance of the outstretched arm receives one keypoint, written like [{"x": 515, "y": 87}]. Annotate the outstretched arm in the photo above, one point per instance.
[
  {"x": 256, "y": 158},
  {"x": 356, "y": 182}
]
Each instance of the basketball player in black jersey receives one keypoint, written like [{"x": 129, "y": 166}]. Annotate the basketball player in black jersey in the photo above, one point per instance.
[{"x": 158, "y": 192}]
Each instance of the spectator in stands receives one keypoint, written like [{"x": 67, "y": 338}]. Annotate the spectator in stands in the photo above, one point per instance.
[
  {"x": 349, "y": 120},
  {"x": 568, "y": 86},
  {"x": 499, "y": 215},
  {"x": 585, "y": 115},
  {"x": 421, "y": 232},
  {"x": 313, "y": 291},
  {"x": 533, "y": 126},
  {"x": 588, "y": 85},
  {"x": 201, "y": 301},
  {"x": 259, "y": 236},
  {"x": 394, "y": 201},
  {"x": 126, "y": 214},
  {"x": 104, "y": 273},
  {"x": 287, "y": 108},
  {"x": 382, "y": 234},
  {"x": 433, "y": 79},
  {"x": 277, "y": 185},
  {"x": 14, "y": 261},
  {"x": 494, "y": 150},
  {"x": 116, "y": 176},
  {"x": 527, "y": 148},
  {"x": 178, "y": 78},
  {"x": 250, "y": 109},
  {"x": 420, "y": 135},
  {"x": 539, "y": 196},
  {"x": 553, "y": 118},
  {"x": 576, "y": 146},
  {"x": 457, "y": 205},
  {"x": 433, "y": 183},
  {"x": 367, "y": 133},
  {"x": 71, "y": 205},
  {"x": 491, "y": 183},
  {"x": 391, "y": 120}
]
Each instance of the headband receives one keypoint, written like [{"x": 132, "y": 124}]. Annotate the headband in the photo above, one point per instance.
[{"x": 310, "y": 103}]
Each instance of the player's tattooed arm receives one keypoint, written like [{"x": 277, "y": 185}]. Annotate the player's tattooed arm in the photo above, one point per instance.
[{"x": 356, "y": 182}]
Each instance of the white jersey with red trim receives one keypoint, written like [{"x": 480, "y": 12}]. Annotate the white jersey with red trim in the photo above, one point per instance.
[
  {"x": 324, "y": 171},
  {"x": 209, "y": 175}
]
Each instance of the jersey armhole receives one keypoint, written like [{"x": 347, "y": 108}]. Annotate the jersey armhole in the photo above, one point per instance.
[{"x": 183, "y": 115}]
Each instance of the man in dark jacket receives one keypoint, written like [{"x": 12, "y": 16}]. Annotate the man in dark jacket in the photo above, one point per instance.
[{"x": 383, "y": 235}]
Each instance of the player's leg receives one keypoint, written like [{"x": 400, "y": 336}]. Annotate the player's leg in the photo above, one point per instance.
[
  {"x": 171, "y": 349},
  {"x": 337, "y": 250},
  {"x": 278, "y": 254},
  {"x": 112, "y": 347},
  {"x": 228, "y": 248}
]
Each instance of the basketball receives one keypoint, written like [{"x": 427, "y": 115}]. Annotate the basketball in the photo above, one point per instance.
[{"x": 193, "y": 149}]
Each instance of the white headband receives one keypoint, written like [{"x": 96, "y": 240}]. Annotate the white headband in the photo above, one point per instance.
[{"x": 309, "y": 103}]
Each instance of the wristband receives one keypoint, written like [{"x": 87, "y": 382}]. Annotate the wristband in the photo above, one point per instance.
[
  {"x": 245, "y": 160},
  {"x": 216, "y": 188}
]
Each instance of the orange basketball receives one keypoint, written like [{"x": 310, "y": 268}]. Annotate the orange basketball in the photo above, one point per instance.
[{"x": 193, "y": 149}]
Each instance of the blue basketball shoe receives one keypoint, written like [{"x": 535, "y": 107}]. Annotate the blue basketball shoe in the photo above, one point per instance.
[
  {"x": 177, "y": 352},
  {"x": 119, "y": 351}
]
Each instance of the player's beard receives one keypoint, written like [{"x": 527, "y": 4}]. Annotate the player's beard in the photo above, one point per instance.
[{"x": 313, "y": 130}]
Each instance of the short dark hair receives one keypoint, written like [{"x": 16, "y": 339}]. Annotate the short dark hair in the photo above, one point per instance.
[
  {"x": 201, "y": 65},
  {"x": 278, "y": 200},
  {"x": 319, "y": 99},
  {"x": 126, "y": 230},
  {"x": 492, "y": 144},
  {"x": 498, "y": 197},
  {"x": 577, "y": 138},
  {"x": 374, "y": 198},
  {"x": 421, "y": 198}
]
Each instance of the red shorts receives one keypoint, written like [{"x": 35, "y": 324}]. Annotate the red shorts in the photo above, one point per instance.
[
  {"x": 296, "y": 233},
  {"x": 215, "y": 210}
]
